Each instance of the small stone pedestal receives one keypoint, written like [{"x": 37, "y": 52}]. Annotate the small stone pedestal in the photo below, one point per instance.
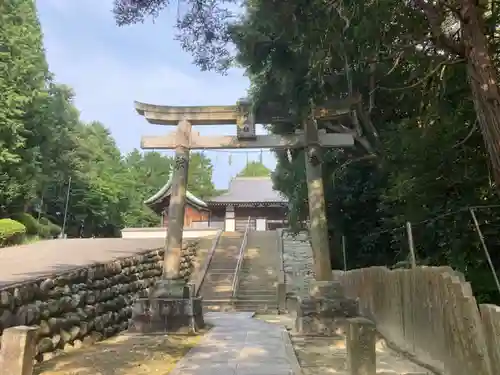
[
  {"x": 18, "y": 350},
  {"x": 170, "y": 307},
  {"x": 361, "y": 353},
  {"x": 324, "y": 311}
]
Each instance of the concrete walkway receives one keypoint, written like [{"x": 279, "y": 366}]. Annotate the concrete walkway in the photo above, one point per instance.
[{"x": 240, "y": 345}]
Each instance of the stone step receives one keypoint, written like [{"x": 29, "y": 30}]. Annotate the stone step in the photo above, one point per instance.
[
  {"x": 259, "y": 290},
  {"x": 270, "y": 291},
  {"x": 253, "y": 277},
  {"x": 257, "y": 286},
  {"x": 215, "y": 296},
  {"x": 224, "y": 263},
  {"x": 209, "y": 287},
  {"x": 216, "y": 276},
  {"x": 232, "y": 234},
  {"x": 256, "y": 297},
  {"x": 224, "y": 260},
  {"x": 220, "y": 270},
  {"x": 255, "y": 300},
  {"x": 257, "y": 308},
  {"x": 256, "y": 292},
  {"x": 213, "y": 282},
  {"x": 249, "y": 279},
  {"x": 252, "y": 265},
  {"x": 216, "y": 300},
  {"x": 222, "y": 285},
  {"x": 225, "y": 256},
  {"x": 219, "y": 308}
]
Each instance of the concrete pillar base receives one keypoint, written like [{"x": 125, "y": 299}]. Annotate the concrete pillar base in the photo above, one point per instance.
[
  {"x": 325, "y": 311},
  {"x": 170, "y": 307}
]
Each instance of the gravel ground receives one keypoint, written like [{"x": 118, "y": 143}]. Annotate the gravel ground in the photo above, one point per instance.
[{"x": 123, "y": 355}]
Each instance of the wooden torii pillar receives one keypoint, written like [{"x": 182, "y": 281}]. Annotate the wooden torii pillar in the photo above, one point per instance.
[{"x": 241, "y": 114}]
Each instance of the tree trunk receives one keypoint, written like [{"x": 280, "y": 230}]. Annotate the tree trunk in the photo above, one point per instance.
[{"x": 483, "y": 80}]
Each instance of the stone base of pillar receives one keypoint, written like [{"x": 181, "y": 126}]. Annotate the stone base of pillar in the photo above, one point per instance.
[
  {"x": 324, "y": 311},
  {"x": 170, "y": 307}
]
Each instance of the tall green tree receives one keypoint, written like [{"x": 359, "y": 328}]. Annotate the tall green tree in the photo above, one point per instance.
[
  {"x": 255, "y": 169},
  {"x": 200, "y": 176},
  {"x": 23, "y": 75}
]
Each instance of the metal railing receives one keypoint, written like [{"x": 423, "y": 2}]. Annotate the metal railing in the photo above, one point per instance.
[
  {"x": 241, "y": 255},
  {"x": 204, "y": 269}
]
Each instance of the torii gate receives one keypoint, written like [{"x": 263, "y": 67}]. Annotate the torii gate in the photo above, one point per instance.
[{"x": 184, "y": 139}]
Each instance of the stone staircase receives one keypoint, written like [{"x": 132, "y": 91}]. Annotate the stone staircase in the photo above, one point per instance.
[
  {"x": 257, "y": 288},
  {"x": 216, "y": 288}
]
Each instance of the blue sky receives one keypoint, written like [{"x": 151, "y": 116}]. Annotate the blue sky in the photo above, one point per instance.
[{"x": 110, "y": 67}]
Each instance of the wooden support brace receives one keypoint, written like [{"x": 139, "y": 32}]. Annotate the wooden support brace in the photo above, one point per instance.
[{"x": 18, "y": 350}]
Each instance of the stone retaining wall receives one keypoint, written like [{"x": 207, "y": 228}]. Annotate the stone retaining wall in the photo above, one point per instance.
[{"x": 86, "y": 305}]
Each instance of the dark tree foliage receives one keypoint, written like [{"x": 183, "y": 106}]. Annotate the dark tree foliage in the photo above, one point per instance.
[{"x": 202, "y": 26}]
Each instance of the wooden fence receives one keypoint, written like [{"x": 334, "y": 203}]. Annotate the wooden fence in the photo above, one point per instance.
[{"x": 430, "y": 313}]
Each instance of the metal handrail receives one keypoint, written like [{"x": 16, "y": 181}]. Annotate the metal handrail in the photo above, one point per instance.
[
  {"x": 240, "y": 260},
  {"x": 204, "y": 269}
]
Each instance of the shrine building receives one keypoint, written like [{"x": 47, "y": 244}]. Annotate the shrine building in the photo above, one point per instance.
[{"x": 247, "y": 197}]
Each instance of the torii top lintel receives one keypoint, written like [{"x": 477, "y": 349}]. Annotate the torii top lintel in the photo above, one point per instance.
[{"x": 226, "y": 115}]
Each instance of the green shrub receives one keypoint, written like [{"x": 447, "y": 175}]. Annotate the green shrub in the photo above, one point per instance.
[
  {"x": 12, "y": 232},
  {"x": 28, "y": 221},
  {"x": 47, "y": 229},
  {"x": 45, "y": 221}
]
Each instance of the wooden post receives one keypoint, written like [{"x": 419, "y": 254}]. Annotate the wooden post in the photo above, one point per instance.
[
  {"x": 18, "y": 350},
  {"x": 411, "y": 246},
  {"x": 344, "y": 253},
  {"x": 317, "y": 213},
  {"x": 485, "y": 248},
  {"x": 172, "y": 259}
]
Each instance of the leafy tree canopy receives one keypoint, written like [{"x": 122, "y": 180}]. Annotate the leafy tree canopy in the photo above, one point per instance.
[{"x": 255, "y": 169}]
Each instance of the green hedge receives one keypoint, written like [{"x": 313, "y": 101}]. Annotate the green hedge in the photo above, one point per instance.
[
  {"x": 44, "y": 229},
  {"x": 28, "y": 221},
  {"x": 49, "y": 230},
  {"x": 12, "y": 232}
]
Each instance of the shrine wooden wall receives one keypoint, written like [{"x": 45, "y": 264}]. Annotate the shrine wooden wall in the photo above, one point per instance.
[{"x": 191, "y": 214}]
